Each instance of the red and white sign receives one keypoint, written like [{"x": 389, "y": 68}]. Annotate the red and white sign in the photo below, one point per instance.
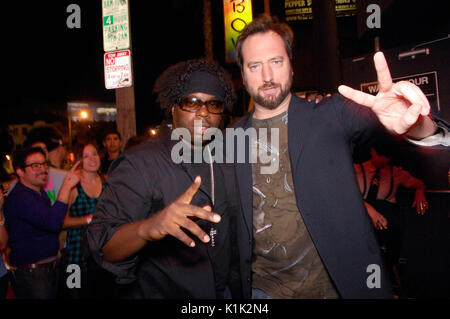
[{"x": 118, "y": 69}]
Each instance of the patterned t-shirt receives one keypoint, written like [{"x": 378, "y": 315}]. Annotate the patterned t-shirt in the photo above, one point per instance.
[{"x": 286, "y": 263}]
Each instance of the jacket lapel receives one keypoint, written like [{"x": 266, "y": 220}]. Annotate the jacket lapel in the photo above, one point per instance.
[
  {"x": 245, "y": 180},
  {"x": 297, "y": 118}
]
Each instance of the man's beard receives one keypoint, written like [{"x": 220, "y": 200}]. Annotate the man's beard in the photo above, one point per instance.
[
  {"x": 44, "y": 180},
  {"x": 272, "y": 102}
]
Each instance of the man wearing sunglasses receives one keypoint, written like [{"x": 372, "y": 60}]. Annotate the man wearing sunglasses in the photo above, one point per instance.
[
  {"x": 162, "y": 225},
  {"x": 34, "y": 224}
]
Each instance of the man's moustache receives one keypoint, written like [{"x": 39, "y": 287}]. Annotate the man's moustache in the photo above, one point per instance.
[{"x": 269, "y": 85}]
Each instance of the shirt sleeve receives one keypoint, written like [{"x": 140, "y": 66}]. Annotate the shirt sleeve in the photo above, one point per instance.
[
  {"x": 442, "y": 137},
  {"x": 39, "y": 213},
  {"x": 125, "y": 199}
]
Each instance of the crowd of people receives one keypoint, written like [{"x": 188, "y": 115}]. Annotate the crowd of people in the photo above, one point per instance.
[
  {"x": 148, "y": 222},
  {"x": 47, "y": 213}
]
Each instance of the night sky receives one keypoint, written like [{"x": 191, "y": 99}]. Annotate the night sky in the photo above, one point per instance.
[{"x": 47, "y": 64}]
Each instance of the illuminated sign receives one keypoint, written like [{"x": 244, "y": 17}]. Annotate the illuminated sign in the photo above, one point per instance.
[
  {"x": 296, "y": 10},
  {"x": 345, "y": 8},
  {"x": 91, "y": 111},
  {"x": 237, "y": 14}
]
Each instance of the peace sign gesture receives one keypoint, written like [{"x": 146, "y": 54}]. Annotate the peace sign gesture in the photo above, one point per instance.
[
  {"x": 398, "y": 106},
  {"x": 177, "y": 215}
]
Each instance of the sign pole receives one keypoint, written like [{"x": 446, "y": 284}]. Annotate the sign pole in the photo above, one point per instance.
[
  {"x": 117, "y": 36},
  {"x": 126, "y": 114}
]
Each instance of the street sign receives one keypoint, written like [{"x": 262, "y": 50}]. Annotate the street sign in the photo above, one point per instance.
[
  {"x": 117, "y": 69},
  {"x": 116, "y": 29}
]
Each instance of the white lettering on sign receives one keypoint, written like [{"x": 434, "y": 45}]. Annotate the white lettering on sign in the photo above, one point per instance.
[{"x": 118, "y": 69}]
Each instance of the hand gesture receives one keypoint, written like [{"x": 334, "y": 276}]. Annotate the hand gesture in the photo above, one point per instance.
[
  {"x": 177, "y": 215},
  {"x": 73, "y": 176},
  {"x": 378, "y": 220},
  {"x": 398, "y": 106},
  {"x": 420, "y": 202}
]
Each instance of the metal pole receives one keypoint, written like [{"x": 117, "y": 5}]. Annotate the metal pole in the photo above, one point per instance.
[
  {"x": 125, "y": 103},
  {"x": 70, "y": 133}
]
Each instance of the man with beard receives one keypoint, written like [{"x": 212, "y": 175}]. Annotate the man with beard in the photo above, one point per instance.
[
  {"x": 161, "y": 225},
  {"x": 306, "y": 233},
  {"x": 33, "y": 225}
]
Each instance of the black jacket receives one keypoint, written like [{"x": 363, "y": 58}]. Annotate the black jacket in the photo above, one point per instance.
[
  {"x": 321, "y": 138},
  {"x": 141, "y": 182}
]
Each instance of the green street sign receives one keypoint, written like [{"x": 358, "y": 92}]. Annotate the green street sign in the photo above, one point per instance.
[
  {"x": 109, "y": 20},
  {"x": 116, "y": 31}
]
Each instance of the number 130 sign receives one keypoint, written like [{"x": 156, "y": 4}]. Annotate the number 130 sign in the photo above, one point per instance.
[{"x": 237, "y": 14}]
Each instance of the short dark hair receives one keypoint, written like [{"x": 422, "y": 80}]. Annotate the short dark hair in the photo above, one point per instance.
[
  {"x": 20, "y": 156},
  {"x": 111, "y": 131},
  {"x": 44, "y": 134},
  {"x": 169, "y": 86},
  {"x": 263, "y": 24}
]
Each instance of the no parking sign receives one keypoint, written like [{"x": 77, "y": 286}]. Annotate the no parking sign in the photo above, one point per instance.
[{"x": 117, "y": 69}]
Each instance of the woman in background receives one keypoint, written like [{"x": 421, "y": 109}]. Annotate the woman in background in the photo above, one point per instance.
[{"x": 82, "y": 202}]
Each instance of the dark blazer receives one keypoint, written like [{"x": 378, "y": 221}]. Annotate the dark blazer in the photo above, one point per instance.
[{"x": 321, "y": 138}]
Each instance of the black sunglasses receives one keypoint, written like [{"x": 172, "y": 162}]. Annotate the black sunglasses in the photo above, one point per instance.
[{"x": 193, "y": 104}]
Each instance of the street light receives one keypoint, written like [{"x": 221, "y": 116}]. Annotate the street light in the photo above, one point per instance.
[
  {"x": 77, "y": 110},
  {"x": 84, "y": 114}
]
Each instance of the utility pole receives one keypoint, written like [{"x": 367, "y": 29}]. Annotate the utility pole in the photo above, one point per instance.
[
  {"x": 117, "y": 36},
  {"x": 207, "y": 29},
  {"x": 267, "y": 7},
  {"x": 126, "y": 113}
]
